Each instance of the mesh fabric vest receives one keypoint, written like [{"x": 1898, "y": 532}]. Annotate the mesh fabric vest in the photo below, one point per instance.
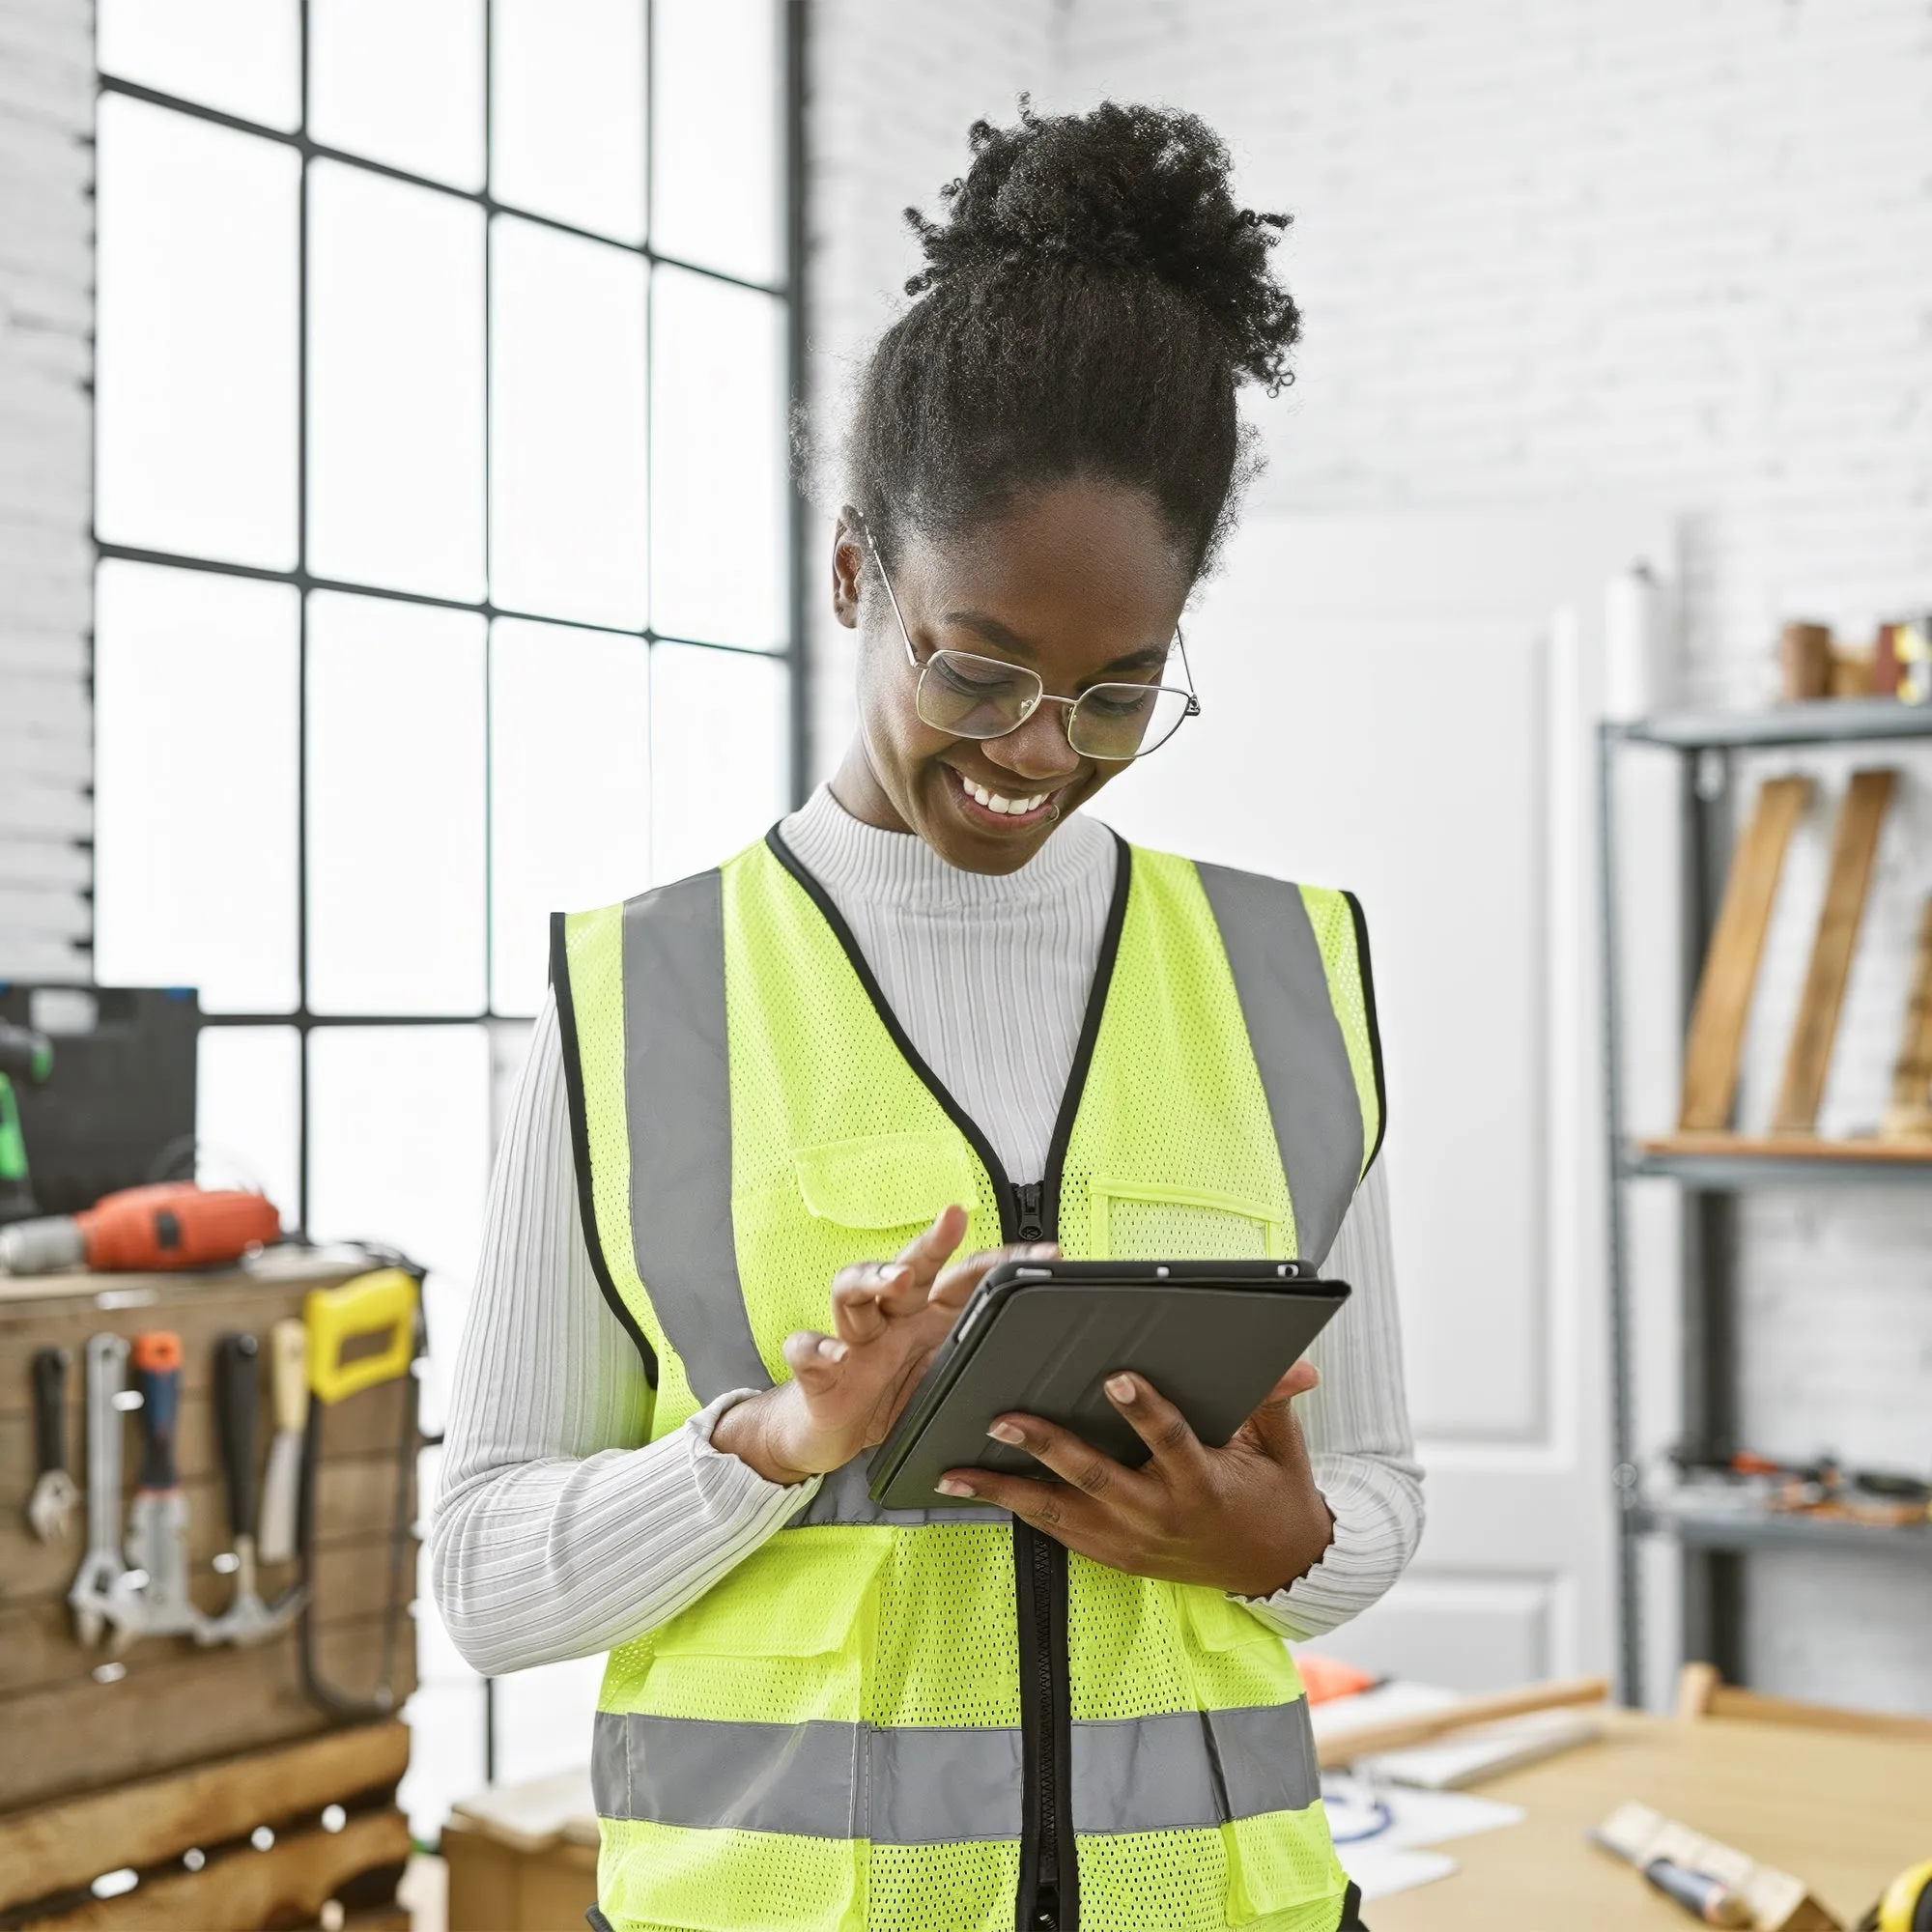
[{"x": 940, "y": 1720}]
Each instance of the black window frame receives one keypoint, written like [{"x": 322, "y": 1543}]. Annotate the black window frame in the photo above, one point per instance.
[{"x": 788, "y": 290}]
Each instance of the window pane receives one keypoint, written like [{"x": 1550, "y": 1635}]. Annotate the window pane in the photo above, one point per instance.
[
  {"x": 248, "y": 1112},
  {"x": 400, "y": 84},
  {"x": 395, "y": 808},
  {"x": 567, "y": 458},
  {"x": 570, "y": 790},
  {"x": 719, "y": 539},
  {"x": 399, "y": 1142},
  {"x": 194, "y": 734},
  {"x": 396, "y": 453},
  {"x": 238, "y": 56},
  {"x": 567, "y": 111},
  {"x": 720, "y": 761},
  {"x": 195, "y": 338},
  {"x": 717, "y": 115}
]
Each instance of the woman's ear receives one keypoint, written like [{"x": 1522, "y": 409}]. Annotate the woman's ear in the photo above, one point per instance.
[{"x": 848, "y": 567}]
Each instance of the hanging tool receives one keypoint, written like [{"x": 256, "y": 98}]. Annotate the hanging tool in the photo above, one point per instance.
[
  {"x": 96, "y": 1595},
  {"x": 247, "y": 1619},
  {"x": 172, "y": 1225},
  {"x": 24, "y": 1055},
  {"x": 281, "y": 1487},
  {"x": 359, "y": 1334},
  {"x": 53, "y": 1496},
  {"x": 157, "y": 1527}
]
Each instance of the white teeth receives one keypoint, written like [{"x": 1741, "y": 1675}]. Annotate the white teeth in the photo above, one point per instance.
[{"x": 994, "y": 801}]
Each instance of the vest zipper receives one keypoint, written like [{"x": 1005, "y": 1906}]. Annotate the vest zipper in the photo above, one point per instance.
[
  {"x": 1028, "y": 1201},
  {"x": 1049, "y": 1884}
]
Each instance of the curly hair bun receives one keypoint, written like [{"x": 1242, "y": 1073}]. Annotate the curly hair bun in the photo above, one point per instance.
[{"x": 1126, "y": 192}]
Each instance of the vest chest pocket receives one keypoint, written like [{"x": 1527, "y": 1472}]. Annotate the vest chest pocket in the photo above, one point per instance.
[
  {"x": 881, "y": 1181},
  {"x": 1133, "y": 1220},
  {"x": 786, "y": 1638}
]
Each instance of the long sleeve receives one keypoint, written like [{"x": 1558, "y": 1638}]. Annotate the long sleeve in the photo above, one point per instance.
[
  {"x": 1356, "y": 1423},
  {"x": 561, "y": 1532}
]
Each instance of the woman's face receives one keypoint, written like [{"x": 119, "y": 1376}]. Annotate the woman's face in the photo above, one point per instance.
[{"x": 1080, "y": 582}]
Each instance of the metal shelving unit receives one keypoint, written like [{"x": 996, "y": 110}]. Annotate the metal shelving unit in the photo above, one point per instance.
[{"x": 1713, "y": 1171}]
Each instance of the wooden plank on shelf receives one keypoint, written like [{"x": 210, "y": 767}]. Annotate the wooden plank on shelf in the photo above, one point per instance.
[
  {"x": 369, "y": 1423},
  {"x": 37, "y": 1639},
  {"x": 1909, "y": 1117},
  {"x": 1715, "y": 1042},
  {"x": 246, "y": 1889},
  {"x": 55, "y": 1847},
  {"x": 1854, "y": 846},
  {"x": 197, "y": 1307},
  {"x": 76, "y": 1736},
  {"x": 1793, "y": 1147}
]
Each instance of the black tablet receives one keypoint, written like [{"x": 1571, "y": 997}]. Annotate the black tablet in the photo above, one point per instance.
[{"x": 1040, "y": 1338}]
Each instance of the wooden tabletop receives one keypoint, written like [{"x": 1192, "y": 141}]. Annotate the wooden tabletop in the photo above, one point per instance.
[{"x": 1846, "y": 1814}]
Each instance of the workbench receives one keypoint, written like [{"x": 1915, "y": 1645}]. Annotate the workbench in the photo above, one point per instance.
[
  {"x": 1845, "y": 1813},
  {"x": 83, "y": 1727}
]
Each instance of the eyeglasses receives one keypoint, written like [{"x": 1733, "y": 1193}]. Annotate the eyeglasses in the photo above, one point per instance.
[{"x": 971, "y": 697}]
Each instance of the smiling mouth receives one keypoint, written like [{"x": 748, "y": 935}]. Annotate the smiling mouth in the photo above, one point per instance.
[{"x": 987, "y": 807}]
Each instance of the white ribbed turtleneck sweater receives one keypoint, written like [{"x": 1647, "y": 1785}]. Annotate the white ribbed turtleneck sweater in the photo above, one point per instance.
[{"x": 562, "y": 1531}]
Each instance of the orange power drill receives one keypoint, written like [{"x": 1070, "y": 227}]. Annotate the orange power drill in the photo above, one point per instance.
[{"x": 175, "y": 1225}]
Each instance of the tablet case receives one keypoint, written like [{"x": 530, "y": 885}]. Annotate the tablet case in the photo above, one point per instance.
[{"x": 1042, "y": 1337}]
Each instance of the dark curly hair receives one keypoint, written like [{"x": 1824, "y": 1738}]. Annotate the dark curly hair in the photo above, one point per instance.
[{"x": 1089, "y": 307}]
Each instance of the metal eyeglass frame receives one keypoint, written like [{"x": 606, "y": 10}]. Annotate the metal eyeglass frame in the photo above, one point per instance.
[{"x": 1042, "y": 696}]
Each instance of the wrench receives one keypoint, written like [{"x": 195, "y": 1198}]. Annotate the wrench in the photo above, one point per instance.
[
  {"x": 95, "y": 1595},
  {"x": 52, "y": 1500}
]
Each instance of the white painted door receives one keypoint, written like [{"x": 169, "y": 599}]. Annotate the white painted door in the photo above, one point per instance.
[{"x": 1405, "y": 706}]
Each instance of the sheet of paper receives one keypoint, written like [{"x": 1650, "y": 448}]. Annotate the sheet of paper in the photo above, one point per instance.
[{"x": 1380, "y": 1869}]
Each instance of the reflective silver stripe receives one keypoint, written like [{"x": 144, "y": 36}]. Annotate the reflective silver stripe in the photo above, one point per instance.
[
  {"x": 924, "y": 1785},
  {"x": 1297, "y": 1044},
  {"x": 842, "y": 1498},
  {"x": 677, "y": 1104}
]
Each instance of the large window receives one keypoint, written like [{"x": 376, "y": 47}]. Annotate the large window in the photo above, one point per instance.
[{"x": 443, "y": 361}]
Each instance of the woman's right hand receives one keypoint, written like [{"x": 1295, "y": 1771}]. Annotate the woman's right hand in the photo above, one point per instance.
[{"x": 847, "y": 1388}]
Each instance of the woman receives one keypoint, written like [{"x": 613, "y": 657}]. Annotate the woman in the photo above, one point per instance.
[{"x": 941, "y": 1015}]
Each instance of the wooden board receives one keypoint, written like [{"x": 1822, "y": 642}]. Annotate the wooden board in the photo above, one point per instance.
[
  {"x": 1715, "y": 1043},
  {"x": 58, "y": 1846},
  {"x": 246, "y": 1889},
  {"x": 1844, "y": 1813},
  {"x": 1910, "y": 1114},
  {"x": 1854, "y": 845},
  {"x": 356, "y": 1499},
  {"x": 38, "y": 1649},
  {"x": 1795, "y": 1147},
  {"x": 204, "y": 1704}
]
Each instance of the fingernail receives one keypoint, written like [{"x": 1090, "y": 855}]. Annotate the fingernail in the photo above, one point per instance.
[
  {"x": 1121, "y": 1387},
  {"x": 1005, "y": 1431},
  {"x": 1043, "y": 1250},
  {"x": 947, "y": 1486},
  {"x": 833, "y": 1351}
]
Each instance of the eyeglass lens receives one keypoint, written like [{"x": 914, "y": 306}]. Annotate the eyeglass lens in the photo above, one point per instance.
[{"x": 983, "y": 697}]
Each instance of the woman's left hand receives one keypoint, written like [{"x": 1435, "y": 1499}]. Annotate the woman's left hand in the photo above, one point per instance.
[{"x": 1246, "y": 1518}]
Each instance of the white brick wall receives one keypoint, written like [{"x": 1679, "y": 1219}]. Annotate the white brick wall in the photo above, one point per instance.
[
  {"x": 1677, "y": 247},
  {"x": 46, "y": 306},
  {"x": 893, "y": 90}
]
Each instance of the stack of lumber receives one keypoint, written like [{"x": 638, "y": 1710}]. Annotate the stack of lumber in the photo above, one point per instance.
[{"x": 269, "y": 1837}]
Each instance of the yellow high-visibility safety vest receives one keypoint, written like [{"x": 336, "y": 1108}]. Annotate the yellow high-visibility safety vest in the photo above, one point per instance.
[{"x": 940, "y": 1721}]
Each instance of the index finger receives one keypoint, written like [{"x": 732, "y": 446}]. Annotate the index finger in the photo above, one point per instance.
[
  {"x": 926, "y": 1254},
  {"x": 958, "y": 1281}
]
